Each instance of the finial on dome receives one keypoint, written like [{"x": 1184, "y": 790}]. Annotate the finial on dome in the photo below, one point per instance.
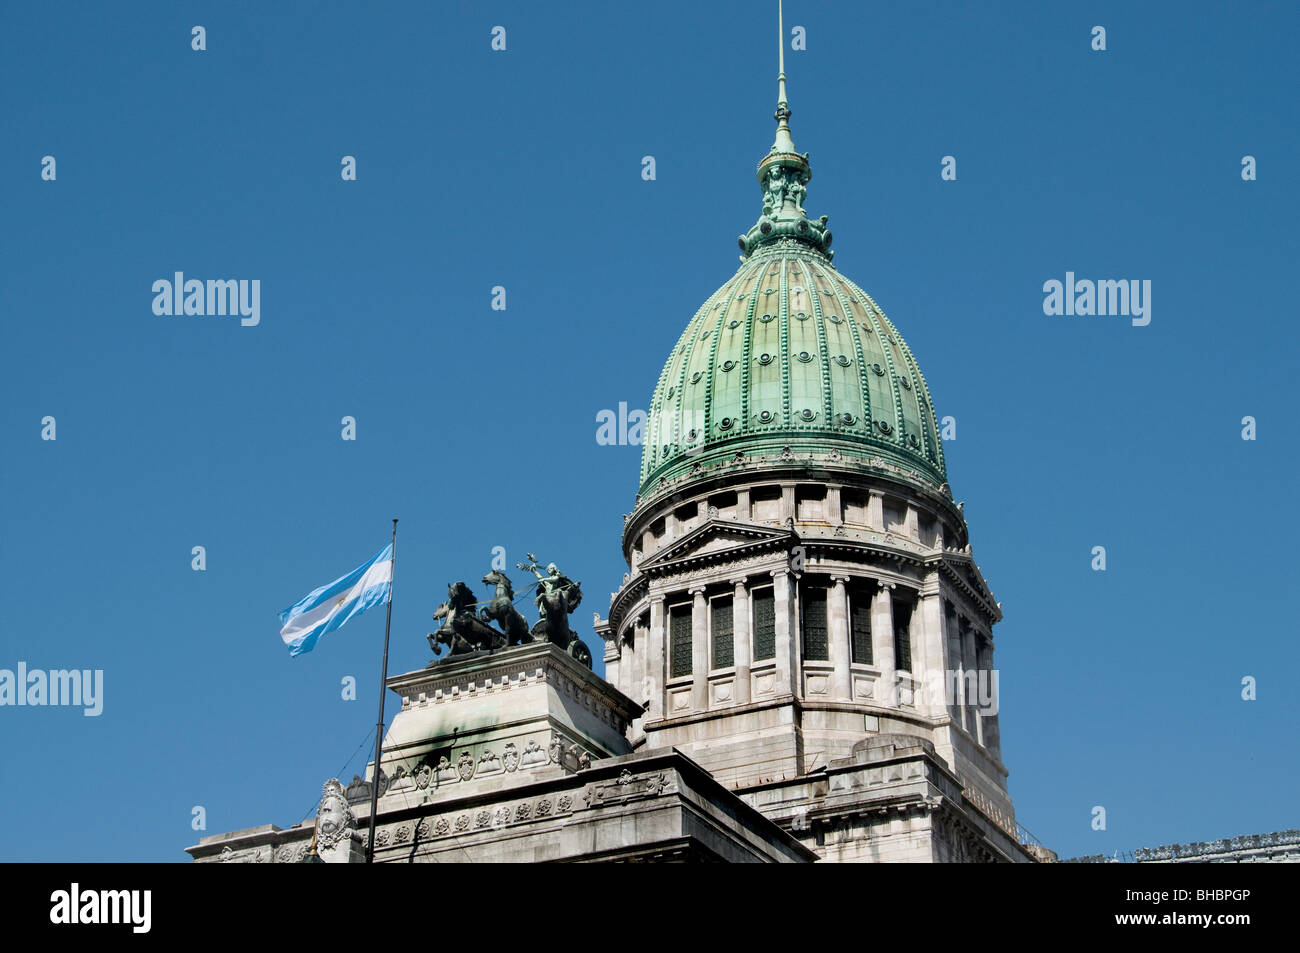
[
  {"x": 784, "y": 175},
  {"x": 784, "y": 143}
]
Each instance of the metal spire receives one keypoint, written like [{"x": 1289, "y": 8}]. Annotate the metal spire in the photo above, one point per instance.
[
  {"x": 780, "y": 54},
  {"x": 783, "y": 141}
]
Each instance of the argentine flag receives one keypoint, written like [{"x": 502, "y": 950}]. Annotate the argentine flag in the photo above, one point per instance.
[{"x": 330, "y": 606}]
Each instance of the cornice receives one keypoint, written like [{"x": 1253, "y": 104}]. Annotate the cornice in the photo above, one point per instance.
[
  {"x": 455, "y": 678},
  {"x": 743, "y": 470}
]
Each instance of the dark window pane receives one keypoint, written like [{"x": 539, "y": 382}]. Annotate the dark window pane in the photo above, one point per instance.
[
  {"x": 902, "y": 636},
  {"x": 679, "y": 640},
  {"x": 815, "y": 643},
  {"x": 724, "y": 646},
  {"x": 764, "y": 625},
  {"x": 860, "y": 626}
]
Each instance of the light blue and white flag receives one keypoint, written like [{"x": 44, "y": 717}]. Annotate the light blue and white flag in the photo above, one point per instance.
[{"x": 329, "y": 607}]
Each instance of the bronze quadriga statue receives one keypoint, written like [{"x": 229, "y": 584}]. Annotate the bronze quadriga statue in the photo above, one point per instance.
[{"x": 464, "y": 631}]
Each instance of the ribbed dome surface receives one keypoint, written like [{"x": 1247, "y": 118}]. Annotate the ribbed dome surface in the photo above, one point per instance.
[{"x": 790, "y": 353}]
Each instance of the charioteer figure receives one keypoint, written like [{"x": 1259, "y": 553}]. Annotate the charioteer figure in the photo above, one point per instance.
[
  {"x": 465, "y": 630},
  {"x": 557, "y": 596}
]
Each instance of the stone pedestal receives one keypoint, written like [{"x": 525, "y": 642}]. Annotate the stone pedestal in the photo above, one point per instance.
[{"x": 476, "y": 723}]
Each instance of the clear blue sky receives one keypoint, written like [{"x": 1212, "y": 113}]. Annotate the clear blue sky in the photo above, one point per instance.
[{"x": 477, "y": 427}]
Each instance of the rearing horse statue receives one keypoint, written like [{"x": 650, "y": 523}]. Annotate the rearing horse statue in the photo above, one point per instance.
[
  {"x": 501, "y": 610},
  {"x": 462, "y": 631}
]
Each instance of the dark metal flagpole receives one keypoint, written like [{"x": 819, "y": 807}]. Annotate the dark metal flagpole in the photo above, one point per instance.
[{"x": 383, "y": 689}]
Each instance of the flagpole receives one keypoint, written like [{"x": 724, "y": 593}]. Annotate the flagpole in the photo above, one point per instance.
[{"x": 383, "y": 689}]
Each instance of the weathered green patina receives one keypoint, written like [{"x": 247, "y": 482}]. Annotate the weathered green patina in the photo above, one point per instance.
[{"x": 789, "y": 356}]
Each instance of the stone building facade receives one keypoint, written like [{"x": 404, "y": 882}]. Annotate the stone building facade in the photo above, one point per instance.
[
  {"x": 800, "y": 660},
  {"x": 802, "y": 613},
  {"x": 520, "y": 756}
]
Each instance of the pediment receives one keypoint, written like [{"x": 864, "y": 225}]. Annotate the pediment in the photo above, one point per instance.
[
  {"x": 717, "y": 540},
  {"x": 962, "y": 569}
]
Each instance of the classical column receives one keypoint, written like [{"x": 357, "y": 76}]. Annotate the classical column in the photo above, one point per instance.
[
  {"x": 882, "y": 643},
  {"x": 930, "y": 668},
  {"x": 785, "y": 630},
  {"x": 743, "y": 649},
  {"x": 912, "y": 525},
  {"x": 627, "y": 668},
  {"x": 614, "y": 672},
  {"x": 993, "y": 698},
  {"x": 840, "y": 638},
  {"x": 787, "y": 503},
  {"x": 970, "y": 653},
  {"x": 834, "y": 508},
  {"x": 963, "y": 667},
  {"x": 743, "y": 514},
  {"x": 656, "y": 645},
  {"x": 641, "y": 686},
  {"x": 876, "y": 510},
  {"x": 952, "y": 664},
  {"x": 983, "y": 658},
  {"x": 699, "y": 650}
]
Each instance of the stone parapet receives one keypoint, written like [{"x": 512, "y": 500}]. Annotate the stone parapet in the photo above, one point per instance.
[{"x": 479, "y": 720}]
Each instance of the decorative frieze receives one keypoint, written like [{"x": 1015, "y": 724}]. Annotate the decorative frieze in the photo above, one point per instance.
[{"x": 627, "y": 787}]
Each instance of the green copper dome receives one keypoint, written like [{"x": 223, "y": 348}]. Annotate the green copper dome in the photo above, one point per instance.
[{"x": 789, "y": 357}]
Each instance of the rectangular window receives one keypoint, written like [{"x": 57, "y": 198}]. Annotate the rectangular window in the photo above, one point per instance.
[
  {"x": 854, "y": 507},
  {"x": 903, "y": 636},
  {"x": 679, "y": 640},
  {"x": 724, "y": 645},
  {"x": 764, "y": 624},
  {"x": 860, "y": 625},
  {"x": 895, "y": 515},
  {"x": 686, "y": 517},
  {"x": 815, "y": 642},
  {"x": 725, "y": 504},
  {"x": 765, "y": 501},
  {"x": 810, "y": 503}
]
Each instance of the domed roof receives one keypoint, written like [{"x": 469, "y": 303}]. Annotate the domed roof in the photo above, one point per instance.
[{"x": 789, "y": 353}]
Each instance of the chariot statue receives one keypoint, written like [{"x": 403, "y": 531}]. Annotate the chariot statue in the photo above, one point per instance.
[
  {"x": 557, "y": 596},
  {"x": 464, "y": 630}
]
